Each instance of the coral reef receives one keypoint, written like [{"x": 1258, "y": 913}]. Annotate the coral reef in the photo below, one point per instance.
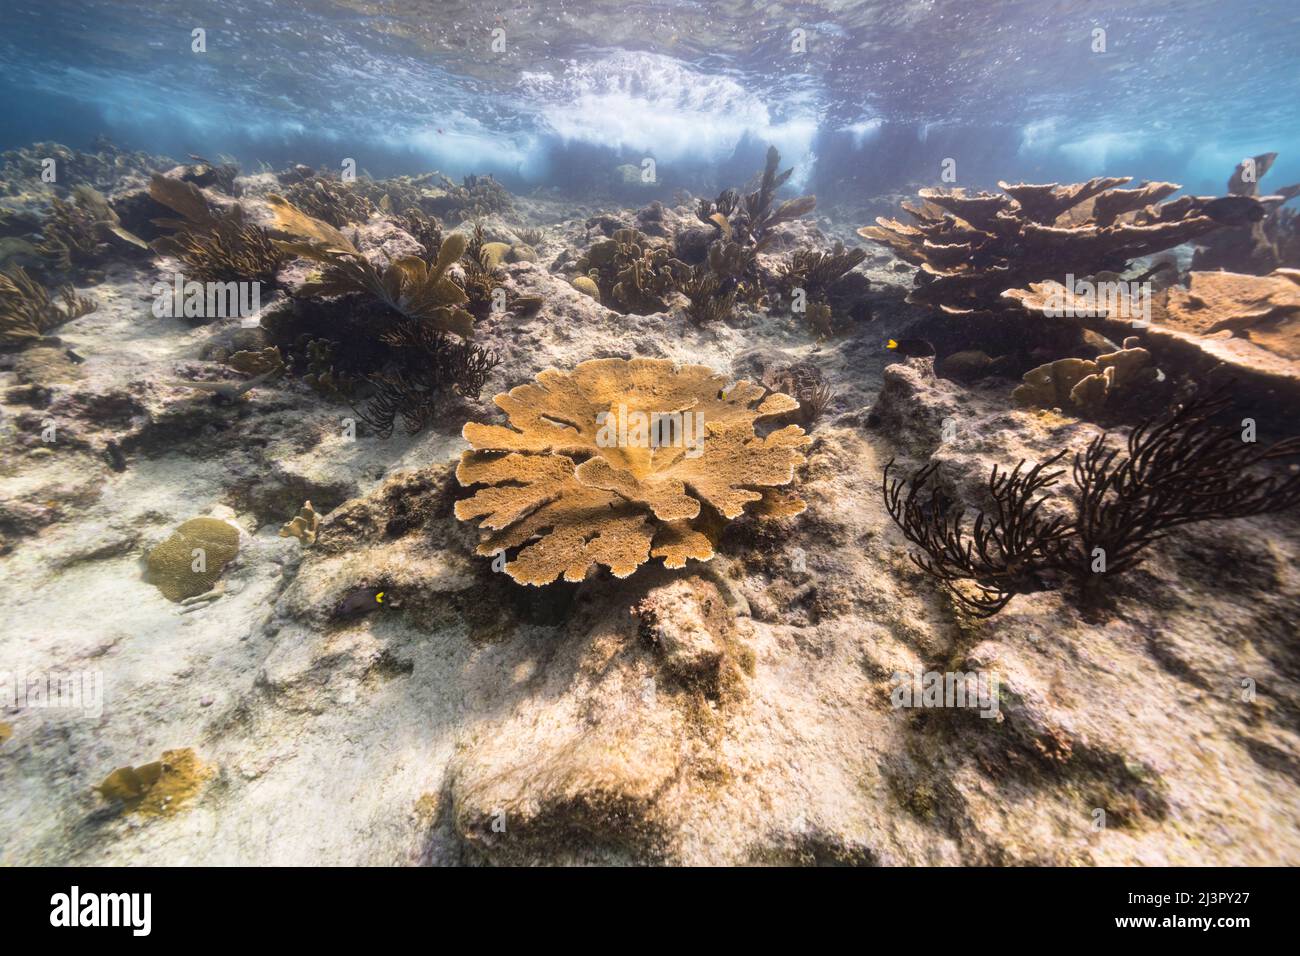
[
  {"x": 27, "y": 312},
  {"x": 330, "y": 200},
  {"x": 410, "y": 286},
  {"x": 428, "y": 365},
  {"x": 76, "y": 234},
  {"x": 732, "y": 709},
  {"x": 213, "y": 245},
  {"x": 567, "y": 485},
  {"x": 632, "y": 272},
  {"x": 475, "y": 197},
  {"x": 972, "y": 247},
  {"x": 102, "y": 168},
  {"x": 1176, "y": 469}
]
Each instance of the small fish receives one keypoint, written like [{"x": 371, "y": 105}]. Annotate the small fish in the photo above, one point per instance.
[
  {"x": 1234, "y": 210},
  {"x": 226, "y": 390},
  {"x": 359, "y": 601},
  {"x": 912, "y": 348}
]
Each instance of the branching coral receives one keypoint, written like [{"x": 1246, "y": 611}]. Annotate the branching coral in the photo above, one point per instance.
[
  {"x": 27, "y": 311},
  {"x": 1220, "y": 324},
  {"x": 816, "y": 272},
  {"x": 397, "y": 192},
  {"x": 1086, "y": 384},
  {"x": 410, "y": 286},
  {"x": 619, "y": 461},
  {"x": 745, "y": 227},
  {"x": 410, "y": 341},
  {"x": 321, "y": 373},
  {"x": 205, "y": 173},
  {"x": 304, "y": 526},
  {"x": 805, "y": 382},
  {"x": 479, "y": 262},
  {"x": 633, "y": 272},
  {"x": 424, "y": 229},
  {"x": 330, "y": 200},
  {"x": 75, "y": 234},
  {"x": 1177, "y": 469},
  {"x": 1006, "y": 553},
  {"x": 1263, "y": 309},
  {"x": 709, "y": 300},
  {"x": 810, "y": 279},
  {"x": 104, "y": 168},
  {"x": 972, "y": 247},
  {"x": 213, "y": 245},
  {"x": 428, "y": 365},
  {"x": 750, "y": 219},
  {"x": 475, "y": 197}
]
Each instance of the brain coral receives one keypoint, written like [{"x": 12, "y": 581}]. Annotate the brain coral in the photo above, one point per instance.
[
  {"x": 177, "y": 567},
  {"x": 580, "y": 476}
]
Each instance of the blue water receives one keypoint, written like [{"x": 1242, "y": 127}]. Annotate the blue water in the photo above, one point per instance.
[{"x": 885, "y": 91}]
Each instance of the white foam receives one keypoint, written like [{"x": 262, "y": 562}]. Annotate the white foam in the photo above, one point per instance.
[{"x": 653, "y": 104}]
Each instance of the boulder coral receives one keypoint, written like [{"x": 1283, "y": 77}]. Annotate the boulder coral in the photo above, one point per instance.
[{"x": 191, "y": 560}]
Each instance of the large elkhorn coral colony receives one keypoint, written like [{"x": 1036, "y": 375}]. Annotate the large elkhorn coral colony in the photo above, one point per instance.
[{"x": 619, "y": 461}]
